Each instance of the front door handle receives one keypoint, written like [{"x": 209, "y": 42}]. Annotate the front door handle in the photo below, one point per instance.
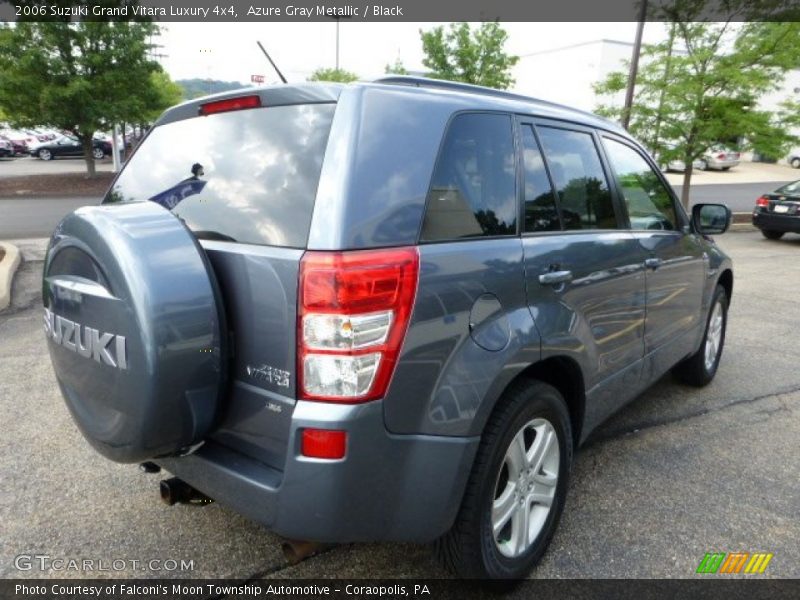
[
  {"x": 652, "y": 263},
  {"x": 555, "y": 277}
]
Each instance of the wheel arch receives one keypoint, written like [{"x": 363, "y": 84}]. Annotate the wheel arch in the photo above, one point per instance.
[
  {"x": 726, "y": 281},
  {"x": 564, "y": 374}
]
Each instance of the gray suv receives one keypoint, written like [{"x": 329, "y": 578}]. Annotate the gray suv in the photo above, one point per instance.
[{"x": 380, "y": 311}]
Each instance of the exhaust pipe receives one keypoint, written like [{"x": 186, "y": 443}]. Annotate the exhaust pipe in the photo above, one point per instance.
[
  {"x": 177, "y": 491},
  {"x": 296, "y": 551}
]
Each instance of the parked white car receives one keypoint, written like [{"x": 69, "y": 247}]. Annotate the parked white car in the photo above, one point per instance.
[{"x": 716, "y": 157}]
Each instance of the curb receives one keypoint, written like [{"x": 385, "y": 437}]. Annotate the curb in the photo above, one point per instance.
[
  {"x": 742, "y": 221},
  {"x": 8, "y": 266}
]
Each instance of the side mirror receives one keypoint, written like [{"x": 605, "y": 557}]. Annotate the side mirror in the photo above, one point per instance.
[{"x": 711, "y": 219}]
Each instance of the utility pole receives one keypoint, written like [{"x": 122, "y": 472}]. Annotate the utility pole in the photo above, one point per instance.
[
  {"x": 337, "y": 43},
  {"x": 637, "y": 49}
]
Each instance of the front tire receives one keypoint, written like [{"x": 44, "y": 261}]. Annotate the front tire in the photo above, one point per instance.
[
  {"x": 517, "y": 488},
  {"x": 699, "y": 369},
  {"x": 772, "y": 235},
  {"x": 795, "y": 163},
  {"x": 45, "y": 154},
  {"x": 702, "y": 165},
  {"x": 98, "y": 153}
]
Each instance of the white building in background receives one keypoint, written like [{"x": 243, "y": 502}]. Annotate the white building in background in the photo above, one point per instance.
[{"x": 566, "y": 75}]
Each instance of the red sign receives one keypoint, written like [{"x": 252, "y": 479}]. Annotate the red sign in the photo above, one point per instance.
[{"x": 256, "y": 79}]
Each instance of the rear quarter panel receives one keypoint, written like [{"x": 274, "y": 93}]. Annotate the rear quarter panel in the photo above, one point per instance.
[{"x": 445, "y": 382}]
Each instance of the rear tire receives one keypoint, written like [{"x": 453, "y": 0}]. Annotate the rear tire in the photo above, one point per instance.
[
  {"x": 795, "y": 163},
  {"x": 771, "y": 234},
  {"x": 505, "y": 524},
  {"x": 699, "y": 369}
]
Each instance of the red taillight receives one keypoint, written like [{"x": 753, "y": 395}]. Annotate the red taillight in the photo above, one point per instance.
[
  {"x": 721, "y": 156},
  {"x": 229, "y": 104},
  {"x": 353, "y": 312},
  {"x": 324, "y": 443},
  {"x": 763, "y": 202}
]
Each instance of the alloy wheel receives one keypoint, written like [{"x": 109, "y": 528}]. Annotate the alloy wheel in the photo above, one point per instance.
[
  {"x": 525, "y": 488},
  {"x": 714, "y": 336}
]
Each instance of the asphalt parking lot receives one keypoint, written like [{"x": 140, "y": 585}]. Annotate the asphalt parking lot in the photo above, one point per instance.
[{"x": 678, "y": 473}]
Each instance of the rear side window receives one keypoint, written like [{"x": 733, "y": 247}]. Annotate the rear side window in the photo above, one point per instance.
[
  {"x": 577, "y": 172},
  {"x": 473, "y": 190},
  {"x": 245, "y": 176},
  {"x": 540, "y": 204},
  {"x": 648, "y": 202}
]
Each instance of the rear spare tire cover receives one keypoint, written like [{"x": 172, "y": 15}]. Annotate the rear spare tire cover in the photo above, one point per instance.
[{"x": 135, "y": 329}]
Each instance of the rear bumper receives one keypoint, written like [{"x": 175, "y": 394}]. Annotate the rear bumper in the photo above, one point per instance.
[
  {"x": 773, "y": 222},
  {"x": 722, "y": 164},
  {"x": 387, "y": 488}
]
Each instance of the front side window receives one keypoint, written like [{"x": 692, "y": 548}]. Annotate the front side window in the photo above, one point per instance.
[
  {"x": 473, "y": 190},
  {"x": 583, "y": 192},
  {"x": 648, "y": 202}
]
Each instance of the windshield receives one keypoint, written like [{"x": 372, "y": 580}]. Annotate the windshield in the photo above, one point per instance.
[
  {"x": 790, "y": 189},
  {"x": 247, "y": 176}
]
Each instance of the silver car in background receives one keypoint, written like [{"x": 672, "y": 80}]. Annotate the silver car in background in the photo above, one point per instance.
[{"x": 716, "y": 157}]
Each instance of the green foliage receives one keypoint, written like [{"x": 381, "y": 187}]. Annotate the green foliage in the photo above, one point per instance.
[
  {"x": 460, "y": 54},
  {"x": 701, "y": 86},
  {"x": 339, "y": 75},
  {"x": 396, "y": 69},
  {"x": 194, "y": 88},
  {"x": 81, "y": 77}
]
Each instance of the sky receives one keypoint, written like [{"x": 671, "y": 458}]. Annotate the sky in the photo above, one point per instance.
[{"x": 228, "y": 51}]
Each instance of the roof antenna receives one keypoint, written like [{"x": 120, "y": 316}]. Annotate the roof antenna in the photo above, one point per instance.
[{"x": 274, "y": 66}]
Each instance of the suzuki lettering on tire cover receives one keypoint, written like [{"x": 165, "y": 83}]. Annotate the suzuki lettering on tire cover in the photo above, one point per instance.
[{"x": 135, "y": 328}]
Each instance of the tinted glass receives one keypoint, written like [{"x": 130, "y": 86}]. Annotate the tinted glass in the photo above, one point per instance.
[
  {"x": 648, "y": 201},
  {"x": 540, "y": 204},
  {"x": 583, "y": 192},
  {"x": 473, "y": 190},
  {"x": 246, "y": 176}
]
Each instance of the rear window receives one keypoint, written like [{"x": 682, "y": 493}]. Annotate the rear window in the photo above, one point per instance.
[{"x": 245, "y": 176}]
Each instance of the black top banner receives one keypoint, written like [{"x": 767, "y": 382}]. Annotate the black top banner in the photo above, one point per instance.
[{"x": 255, "y": 11}]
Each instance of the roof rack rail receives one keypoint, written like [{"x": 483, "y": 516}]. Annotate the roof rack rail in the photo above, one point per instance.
[
  {"x": 474, "y": 89},
  {"x": 455, "y": 86}
]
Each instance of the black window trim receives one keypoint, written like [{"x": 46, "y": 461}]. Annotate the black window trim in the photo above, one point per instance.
[
  {"x": 516, "y": 149},
  {"x": 520, "y": 122}
]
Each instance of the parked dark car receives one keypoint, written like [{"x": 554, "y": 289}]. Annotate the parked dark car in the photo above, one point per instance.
[
  {"x": 778, "y": 213},
  {"x": 395, "y": 317},
  {"x": 69, "y": 147},
  {"x": 6, "y": 148}
]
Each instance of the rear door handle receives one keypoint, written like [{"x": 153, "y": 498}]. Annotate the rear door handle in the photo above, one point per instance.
[
  {"x": 555, "y": 277},
  {"x": 652, "y": 263}
]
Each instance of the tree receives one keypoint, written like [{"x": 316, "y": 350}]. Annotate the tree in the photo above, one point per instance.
[
  {"x": 81, "y": 77},
  {"x": 478, "y": 57},
  {"x": 339, "y": 75},
  {"x": 701, "y": 86},
  {"x": 396, "y": 69}
]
